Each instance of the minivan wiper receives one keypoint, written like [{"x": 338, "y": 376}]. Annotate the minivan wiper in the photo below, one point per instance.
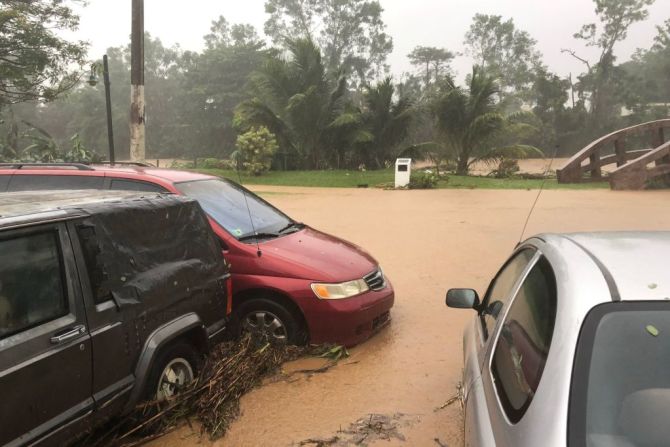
[
  {"x": 291, "y": 225},
  {"x": 250, "y": 237}
]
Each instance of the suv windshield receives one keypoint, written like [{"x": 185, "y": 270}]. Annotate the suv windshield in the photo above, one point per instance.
[
  {"x": 225, "y": 203},
  {"x": 621, "y": 385}
]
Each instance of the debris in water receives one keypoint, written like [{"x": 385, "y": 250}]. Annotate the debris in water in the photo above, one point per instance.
[
  {"x": 334, "y": 353},
  {"x": 440, "y": 443},
  {"x": 231, "y": 370},
  {"x": 368, "y": 429},
  {"x": 458, "y": 397}
]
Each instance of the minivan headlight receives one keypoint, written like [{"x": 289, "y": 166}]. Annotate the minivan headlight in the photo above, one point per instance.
[{"x": 339, "y": 291}]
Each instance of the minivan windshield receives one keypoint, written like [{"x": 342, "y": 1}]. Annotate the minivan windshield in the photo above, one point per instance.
[
  {"x": 621, "y": 386},
  {"x": 225, "y": 203}
]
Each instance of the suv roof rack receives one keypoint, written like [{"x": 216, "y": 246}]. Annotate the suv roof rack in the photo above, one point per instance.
[
  {"x": 78, "y": 166},
  {"x": 126, "y": 163}
]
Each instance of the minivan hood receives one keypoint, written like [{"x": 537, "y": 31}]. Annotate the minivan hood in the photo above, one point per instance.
[{"x": 311, "y": 254}]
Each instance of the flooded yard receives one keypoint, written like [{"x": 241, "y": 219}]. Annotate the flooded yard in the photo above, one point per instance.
[{"x": 392, "y": 388}]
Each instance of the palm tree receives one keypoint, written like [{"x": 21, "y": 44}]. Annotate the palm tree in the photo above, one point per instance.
[
  {"x": 296, "y": 100},
  {"x": 472, "y": 126},
  {"x": 386, "y": 120}
]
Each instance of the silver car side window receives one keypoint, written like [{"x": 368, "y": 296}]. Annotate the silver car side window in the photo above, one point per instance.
[
  {"x": 502, "y": 287},
  {"x": 522, "y": 345}
]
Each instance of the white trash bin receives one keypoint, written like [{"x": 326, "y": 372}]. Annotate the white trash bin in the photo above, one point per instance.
[{"x": 403, "y": 171}]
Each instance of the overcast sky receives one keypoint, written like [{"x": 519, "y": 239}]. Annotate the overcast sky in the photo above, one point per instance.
[{"x": 440, "y": 23}]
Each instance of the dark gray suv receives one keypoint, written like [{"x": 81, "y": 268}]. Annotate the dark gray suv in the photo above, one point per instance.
[{"x": 105, "y": 299}]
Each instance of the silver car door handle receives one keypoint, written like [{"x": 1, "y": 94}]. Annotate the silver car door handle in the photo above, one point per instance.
[{"x": 69, "y": 335}]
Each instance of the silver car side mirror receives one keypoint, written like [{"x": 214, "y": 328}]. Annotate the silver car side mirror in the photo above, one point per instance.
[{"x": 463, "y": 299}]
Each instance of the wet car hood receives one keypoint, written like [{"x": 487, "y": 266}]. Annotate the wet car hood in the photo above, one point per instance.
[{"x": 311, "y": 254}]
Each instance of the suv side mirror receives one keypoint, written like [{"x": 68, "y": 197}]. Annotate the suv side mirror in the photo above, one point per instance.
[{"x": 463, "y": 299}]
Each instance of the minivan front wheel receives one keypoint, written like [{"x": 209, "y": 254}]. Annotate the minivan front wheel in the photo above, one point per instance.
[
  {"x": 268, "y": 322},
  {"x": 174, "y": 370}
]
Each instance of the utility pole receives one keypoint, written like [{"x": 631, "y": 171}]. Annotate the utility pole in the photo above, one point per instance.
[
  {"x": 137, "y": 105},
  {"x": 108, "y": 104}
]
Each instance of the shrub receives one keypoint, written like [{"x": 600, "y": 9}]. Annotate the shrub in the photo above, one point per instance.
[
  {"x": 256, "y": 148},
  {"x": 423, "y": 180},
  {"x": 506, "y": 168},
  {"x": 214, "y": 163},
  {"x": 182, "y": 164}
]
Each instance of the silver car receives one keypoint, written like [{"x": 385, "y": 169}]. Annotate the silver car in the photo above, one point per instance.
[{"x": 571, "y": 344}]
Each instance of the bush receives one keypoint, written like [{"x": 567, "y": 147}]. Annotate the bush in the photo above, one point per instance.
[
  {"x": 182, "y": 164},
  {"x": 214, "y": 163},
  {"x": 506, "y": 168},
  {"x": 423, "y": 180},
  {"x": 255, "y": 150}
]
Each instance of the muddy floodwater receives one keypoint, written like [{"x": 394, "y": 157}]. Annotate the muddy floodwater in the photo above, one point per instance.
[{"x": 427, "y": 242}]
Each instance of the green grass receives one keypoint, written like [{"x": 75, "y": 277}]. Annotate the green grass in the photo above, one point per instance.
[
  {"x": 351, "y": 179},
  {"x": 328, "y": 179}
]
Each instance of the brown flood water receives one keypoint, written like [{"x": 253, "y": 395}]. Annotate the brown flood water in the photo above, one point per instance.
[{"x": 426, "y": 241}]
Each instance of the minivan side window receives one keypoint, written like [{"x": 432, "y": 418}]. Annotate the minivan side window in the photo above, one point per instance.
[
  {"x": 133, "y": 185},
  {"x": 4, "y": 181},
  {"x": 501, "y": 288},
  {"x": 31, "y": 282},
  {"x": 44, "y": 182},
  {"x": 523, "y": 344}
]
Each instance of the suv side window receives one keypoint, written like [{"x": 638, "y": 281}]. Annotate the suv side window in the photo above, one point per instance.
[
  {"x": 523, "y": 345},
  {"x": 44, "y": 182},
  {"x": 96, "y": 274},
  {"x": 501, "y": 288},
  {"x": 31, "y": 282},
  {"x": 134, "y": 185}
]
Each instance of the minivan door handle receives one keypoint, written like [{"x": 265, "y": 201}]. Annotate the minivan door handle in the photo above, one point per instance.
[{"x": 68, "y": 335}]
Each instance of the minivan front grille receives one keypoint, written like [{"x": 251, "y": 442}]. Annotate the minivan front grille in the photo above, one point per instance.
[{"x": 375, "y": 280}]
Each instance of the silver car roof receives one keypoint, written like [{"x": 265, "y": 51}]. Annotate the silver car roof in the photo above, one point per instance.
[{"x": 633, "y": 263}]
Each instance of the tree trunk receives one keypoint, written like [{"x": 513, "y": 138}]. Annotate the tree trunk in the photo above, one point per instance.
[{"x": 462, "y": 168}]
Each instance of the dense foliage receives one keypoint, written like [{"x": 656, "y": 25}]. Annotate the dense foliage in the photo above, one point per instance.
[
  {"x": 319, "y": 85},
  {"x": 35, "y": 62}
]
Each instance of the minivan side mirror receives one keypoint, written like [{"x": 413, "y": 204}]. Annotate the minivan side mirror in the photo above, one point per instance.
[{"x": 463, "y": 299}]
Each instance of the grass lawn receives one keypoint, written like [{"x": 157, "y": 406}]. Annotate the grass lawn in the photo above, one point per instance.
[{"x": 351, "y": 179}]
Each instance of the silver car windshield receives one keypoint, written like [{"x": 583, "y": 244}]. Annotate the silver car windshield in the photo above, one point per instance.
[
  {"x": 626, "y": 375},
  {"x": 225, "y": 202}
]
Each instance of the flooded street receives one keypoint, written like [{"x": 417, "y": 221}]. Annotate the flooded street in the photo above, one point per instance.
[{"x": 427, "y": 242}]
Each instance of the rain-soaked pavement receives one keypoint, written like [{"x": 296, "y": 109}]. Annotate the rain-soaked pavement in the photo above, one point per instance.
[{"x": 390, "y": 390}]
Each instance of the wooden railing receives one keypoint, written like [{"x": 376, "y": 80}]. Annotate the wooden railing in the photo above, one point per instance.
[{"x": 631, "y": 164}]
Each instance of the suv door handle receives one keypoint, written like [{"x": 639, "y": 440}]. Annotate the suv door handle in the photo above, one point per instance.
[{"x": 68, "y": 335}]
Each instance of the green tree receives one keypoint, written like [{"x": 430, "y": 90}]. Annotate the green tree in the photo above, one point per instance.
[
  {"x": 472, "y": 126},
  {"x": 256, "y": 148},
  {"x": 35, "y": 62},
  {"x": 215, "y": 84},
  {"x": 600, "y": 83},
  {"x": 296, "y": 100},
  {"x": 506, "y": 52},
  {"x": 351, "y": 33},
  {"x": 432, "y": 61},
  {"x": 387, "y": 121},
  {"x": 649, "y": 82}
]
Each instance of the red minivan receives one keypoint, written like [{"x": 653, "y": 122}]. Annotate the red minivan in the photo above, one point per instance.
[{"x": 291, "y": 283}]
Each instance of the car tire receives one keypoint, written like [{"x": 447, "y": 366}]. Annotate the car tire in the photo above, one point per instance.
[
  {"x": 174, "y": 368},
  {"x": 268, "y": 321}
]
